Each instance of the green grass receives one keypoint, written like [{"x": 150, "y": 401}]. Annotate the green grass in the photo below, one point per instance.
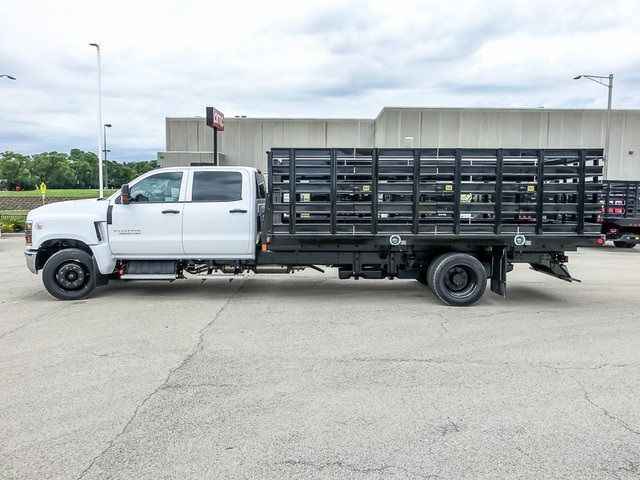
[
  {"x": 13, "y": 212},
  {"x": 69, "y": 192}
]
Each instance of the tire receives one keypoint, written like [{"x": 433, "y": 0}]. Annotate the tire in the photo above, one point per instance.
[
  {"x": 458, "y": 279},
  {"x": 621, "y": 244},
  {"x": 69, "y": 274}
]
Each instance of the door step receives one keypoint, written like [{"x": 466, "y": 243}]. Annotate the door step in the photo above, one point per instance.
[
  {"x": 149, "y": 276},
  {"x": 150, "y": 270}
]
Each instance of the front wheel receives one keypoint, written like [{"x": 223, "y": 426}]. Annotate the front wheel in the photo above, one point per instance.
[
  {"x": 69, "y": 274},
  {"x": 621, "y": 244},
  {"x": 458, "y": 279}
]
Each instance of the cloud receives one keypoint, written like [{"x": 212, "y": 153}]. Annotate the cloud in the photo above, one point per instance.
[{"x": 291, "y": 58}]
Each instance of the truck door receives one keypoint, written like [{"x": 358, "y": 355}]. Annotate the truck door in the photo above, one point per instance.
[
  {"x": 151, "y": 224},
  {"x": 219, "y": 215}
]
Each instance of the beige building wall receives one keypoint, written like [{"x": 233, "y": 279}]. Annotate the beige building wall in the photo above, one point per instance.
[
  {"x": 516, "y": 128},
  {"x": 245, "y": 140}
]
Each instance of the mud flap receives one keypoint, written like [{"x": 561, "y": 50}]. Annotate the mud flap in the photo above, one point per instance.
[{"x": 499, "y": 271}]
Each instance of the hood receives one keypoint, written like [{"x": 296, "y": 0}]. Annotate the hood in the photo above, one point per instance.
[{"x": 90, "y": 207}]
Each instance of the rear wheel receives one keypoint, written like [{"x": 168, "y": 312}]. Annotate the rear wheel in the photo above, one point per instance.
[
  {"x": 621, "y": 244},
  {"x": 458, "y": 279},
  {"x": 69, "y": 274}
]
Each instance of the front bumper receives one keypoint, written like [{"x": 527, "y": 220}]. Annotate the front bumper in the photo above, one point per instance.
[{"x": 30, "y": 257}]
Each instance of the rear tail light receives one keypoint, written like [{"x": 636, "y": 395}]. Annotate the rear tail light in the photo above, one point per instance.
[
  {"x": 600, "y": 241},
  {"x": 28, "y": 232}
]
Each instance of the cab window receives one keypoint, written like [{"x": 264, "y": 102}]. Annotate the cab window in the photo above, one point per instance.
[
  {"x": 216, "y": 187},
  {"x": 159, "y": 188}
]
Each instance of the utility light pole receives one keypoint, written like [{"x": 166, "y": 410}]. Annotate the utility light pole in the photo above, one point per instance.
[
  {"x": 105, "y": 151},
  {"x": 100, "y": 139},
  {"x": 607, "y": 135}
]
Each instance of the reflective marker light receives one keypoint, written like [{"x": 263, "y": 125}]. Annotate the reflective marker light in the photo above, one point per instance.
[{"x": 28, "y": 230}]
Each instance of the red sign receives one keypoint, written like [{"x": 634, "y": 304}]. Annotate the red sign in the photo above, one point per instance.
[{"x": 215, "y": 118}]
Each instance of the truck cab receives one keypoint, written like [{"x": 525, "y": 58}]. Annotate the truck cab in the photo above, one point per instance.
[{"x": 171, "y": 214}]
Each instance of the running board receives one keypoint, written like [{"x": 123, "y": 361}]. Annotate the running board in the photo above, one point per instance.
[{"x": 149, "y": 276}]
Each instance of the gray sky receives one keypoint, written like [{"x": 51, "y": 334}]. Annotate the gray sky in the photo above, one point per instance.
[{"x": 296, "y": 58}]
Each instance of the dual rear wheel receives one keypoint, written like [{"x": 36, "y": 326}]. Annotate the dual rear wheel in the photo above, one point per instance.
[{"x": 458, "y": 279}]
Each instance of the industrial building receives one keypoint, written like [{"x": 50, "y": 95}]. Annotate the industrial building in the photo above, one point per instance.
[{"x": 244, "y": 141}]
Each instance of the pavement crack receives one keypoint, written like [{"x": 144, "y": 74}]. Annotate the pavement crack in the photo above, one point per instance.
[
  {"x": 448, "y": 361},
  {"x": 37, "y": 319},
  {"x": 197, "y": 385},
  {"x": 353, "y": 468},
  {"x": 608, "y": 414},
  {"x": 185, "y": 360}
]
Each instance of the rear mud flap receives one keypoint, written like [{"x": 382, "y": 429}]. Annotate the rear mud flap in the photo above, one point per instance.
[{"x": 499, "y": 271}]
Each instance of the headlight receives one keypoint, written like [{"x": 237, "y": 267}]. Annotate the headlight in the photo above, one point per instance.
[{"x": 28, "y": 231}]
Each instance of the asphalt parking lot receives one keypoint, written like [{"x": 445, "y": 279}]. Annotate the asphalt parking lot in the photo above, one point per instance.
[{"x": 307, "y": 376}]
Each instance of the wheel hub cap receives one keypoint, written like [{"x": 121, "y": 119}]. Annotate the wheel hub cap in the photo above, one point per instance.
[
  {"x": 71, "y": 276},
  {"x": 457, "y": 278}
]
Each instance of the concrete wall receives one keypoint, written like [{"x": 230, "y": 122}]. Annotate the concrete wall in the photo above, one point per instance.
[{"x": 245, "y": 140}]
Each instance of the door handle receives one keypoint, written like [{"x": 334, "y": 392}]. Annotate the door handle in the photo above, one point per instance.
[
  {"x": 171, "y": 211},
  {"x": 237, "y": 210}
]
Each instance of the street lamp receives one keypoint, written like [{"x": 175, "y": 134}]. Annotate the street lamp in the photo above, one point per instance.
[
  {"x": 100, "y": 140},
  {"x": 105, "y": 151},
  {"x": 10, "y": 77},
  {"x": 609, "y": 84}
]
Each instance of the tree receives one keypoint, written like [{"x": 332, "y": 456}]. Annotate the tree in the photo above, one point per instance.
[
  {"x": 53, "y": 169},
  {"x": 78, "y": 169},
  {"x": 85, "y": 167},
  {"x": 15, "y": 170}
]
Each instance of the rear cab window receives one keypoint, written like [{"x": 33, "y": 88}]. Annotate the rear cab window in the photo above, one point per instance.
[
  {"x": 261, "y": 186},
  {"x": 216, "y": 186}
]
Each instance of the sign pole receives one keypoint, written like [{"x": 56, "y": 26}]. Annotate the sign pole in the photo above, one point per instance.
[
  {"x": 215, "y": 146},
  {"x": 215, "y": 120}
]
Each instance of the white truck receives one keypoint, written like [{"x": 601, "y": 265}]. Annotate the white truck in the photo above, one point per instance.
[
  {"x": 445, "y": 218},
  {"x": 164, "y": 217}
]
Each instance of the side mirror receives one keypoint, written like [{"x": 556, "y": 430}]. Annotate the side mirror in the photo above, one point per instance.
[{"x": 125, "y": 194}]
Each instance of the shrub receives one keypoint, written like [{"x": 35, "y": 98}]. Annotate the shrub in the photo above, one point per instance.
[
  {"x": 11, "y": 226},
  {"x": 6, "y": 227}
]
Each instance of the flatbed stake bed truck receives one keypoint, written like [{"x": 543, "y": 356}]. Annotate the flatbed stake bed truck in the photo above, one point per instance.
[
  {"x": 621, "y": 219},
  {"x": 453, "y": 219}
]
